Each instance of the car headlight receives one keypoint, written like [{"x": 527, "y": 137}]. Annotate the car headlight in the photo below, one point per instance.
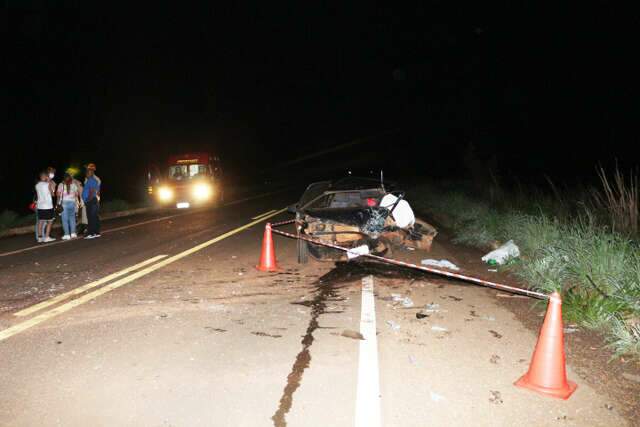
[
  {"x": 202, "y": 191},
  {"x": 165, "y": 194}
]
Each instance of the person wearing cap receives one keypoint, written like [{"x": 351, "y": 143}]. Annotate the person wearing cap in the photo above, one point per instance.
[{"x": 91, "y": 198}]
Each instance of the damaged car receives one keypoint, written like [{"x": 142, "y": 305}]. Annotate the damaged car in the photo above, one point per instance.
[{"x": 361, "y": 214}]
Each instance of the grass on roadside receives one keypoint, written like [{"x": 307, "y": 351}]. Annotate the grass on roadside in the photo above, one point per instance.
[{"x": 589, "y": 250}]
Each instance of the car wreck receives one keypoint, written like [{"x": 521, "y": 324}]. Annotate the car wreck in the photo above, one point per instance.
[{"x": 361, "y": 214}]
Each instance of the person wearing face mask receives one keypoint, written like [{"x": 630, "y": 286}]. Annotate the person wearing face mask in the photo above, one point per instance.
[{"x": 51, "y": 173}]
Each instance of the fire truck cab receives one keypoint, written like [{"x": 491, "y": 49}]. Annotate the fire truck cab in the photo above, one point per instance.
[{"x": 189, "y": 180}]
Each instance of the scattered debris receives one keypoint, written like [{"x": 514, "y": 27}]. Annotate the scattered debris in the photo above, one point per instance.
[
  {"x": 393, "y": 325},
  {"x": 357, "y": 251},
  {"x": 494, "y": 359},
  {"x": 570, "y": 330},
  {"x": 407, "y": 302},
  {"x": 162, "y": 316},
  {"x": 436, "y": 397},
  {"x": 347, "y": 333},
  {"x": 489, "y": 318},
  {"x": 457, "y": 299},
  {"x": 420, "y": 315},
  {"x": 493, "y": 270},
  {"x": 496, "y": 397},
  {"x": 501, "y": 295},
  {"x": 503, "y": 253},
  {"x": 264, "y": 334},
  {"x": 473, "y": 313},
  {"x": 439, "y": 328},
  {"x": 608, "y": 406},
  {"x": 495, "y": 334},
  {"x": 631, "y": 377},
  {"x": 443, "y": 263},
  {"x": 212, "y": 329}
]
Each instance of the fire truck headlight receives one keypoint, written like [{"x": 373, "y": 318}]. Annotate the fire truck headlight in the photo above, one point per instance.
[
  {"x": 202, "y": 191},
  {"x": 165, "y": 194}
]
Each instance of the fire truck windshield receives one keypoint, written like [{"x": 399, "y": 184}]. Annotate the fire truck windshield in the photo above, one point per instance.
[{"x": 180, "y": 172}]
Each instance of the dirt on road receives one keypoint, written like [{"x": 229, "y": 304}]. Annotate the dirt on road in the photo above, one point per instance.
[{"x": 209, "y": 340}]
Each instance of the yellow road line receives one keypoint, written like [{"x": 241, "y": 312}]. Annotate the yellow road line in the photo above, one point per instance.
[
  {"x": 44, "y": 304},
  {"x": 264, "y": 214},
  {"x": 23, "y": 326}
]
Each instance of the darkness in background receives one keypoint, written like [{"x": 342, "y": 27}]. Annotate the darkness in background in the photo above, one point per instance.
[{"x": 534, "y": 90}]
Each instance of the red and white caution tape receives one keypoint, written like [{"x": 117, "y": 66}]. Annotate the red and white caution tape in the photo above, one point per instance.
[{"x": 458, "y": 276}]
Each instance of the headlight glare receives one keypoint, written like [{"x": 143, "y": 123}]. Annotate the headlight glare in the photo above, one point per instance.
[
  {"x": 165, "y": 194},
  {"x": 202, "y": 191}
]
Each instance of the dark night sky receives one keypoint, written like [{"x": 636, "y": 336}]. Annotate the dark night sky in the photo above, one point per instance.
[{"x": 546, "y": 91}]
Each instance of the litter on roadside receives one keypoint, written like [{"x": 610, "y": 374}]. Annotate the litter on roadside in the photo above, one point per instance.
[
  {"x": 500, "y": 295},
  {"x": 502, "y": 254},
  {"x": 439, "y": 329},
  {"x": 396, "y": 297},
  {"x": 436, "y": 397},
  {"x": 570, "y": 330},
  {"x": 393, "y": 325},
  {"x": 420, "y": 315},
  {"x": 357, "y": 251},
  {"x": 407, "y": 302},
  {"x": 443, "y": 263},
  {"x": 493, "y": 270},
  {"x": 347, "y": 333}
]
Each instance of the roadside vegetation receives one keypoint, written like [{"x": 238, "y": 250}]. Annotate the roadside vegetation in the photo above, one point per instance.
[{"x": 585, "y": 244}]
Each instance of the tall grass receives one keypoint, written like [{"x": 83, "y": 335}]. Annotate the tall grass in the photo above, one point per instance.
[
  {"x": 619, "y": 197},
  {"x": 587, "y": 248}
]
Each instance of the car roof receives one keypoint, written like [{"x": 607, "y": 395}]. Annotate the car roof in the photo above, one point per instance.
[{"x": 354, "y": 183}]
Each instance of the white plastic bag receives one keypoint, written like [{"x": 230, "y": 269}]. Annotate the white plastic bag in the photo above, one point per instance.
[
  {"x": 503, "y": 253},
  {"x": 402, "y": 213},
  {"x": 442, "y": 263},
  {"x": 357, "y": 251}
]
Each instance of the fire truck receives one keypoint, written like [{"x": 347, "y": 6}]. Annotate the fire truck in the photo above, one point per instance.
[{"x": 188, "y": 180}]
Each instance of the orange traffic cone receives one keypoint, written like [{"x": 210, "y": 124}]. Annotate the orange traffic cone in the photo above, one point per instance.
[
  {"x": 547, "y": 373},
  {"x": 268, "y": 256}
]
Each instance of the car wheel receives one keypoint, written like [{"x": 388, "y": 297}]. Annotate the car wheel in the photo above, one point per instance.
[{"x": 303, "y": 251}]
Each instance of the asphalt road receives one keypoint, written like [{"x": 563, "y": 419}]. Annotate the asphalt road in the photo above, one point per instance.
[{"x": 164, "y": 321}]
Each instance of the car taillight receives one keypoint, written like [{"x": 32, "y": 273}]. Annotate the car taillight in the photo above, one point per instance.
[{"x": 372, "y": 202}]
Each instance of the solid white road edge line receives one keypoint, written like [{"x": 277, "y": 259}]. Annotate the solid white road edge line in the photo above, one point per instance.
[
  {"x": 368, "y": 391},
  {"x": 22, "y": 326},
  {"x": 80, "y": 289}
]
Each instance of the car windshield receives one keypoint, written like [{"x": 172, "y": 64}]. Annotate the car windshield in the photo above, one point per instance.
[{"x": 180, "y": 172}]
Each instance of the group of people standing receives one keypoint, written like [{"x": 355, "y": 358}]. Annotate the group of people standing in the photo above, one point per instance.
[{"x": 68, "y": 199}]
